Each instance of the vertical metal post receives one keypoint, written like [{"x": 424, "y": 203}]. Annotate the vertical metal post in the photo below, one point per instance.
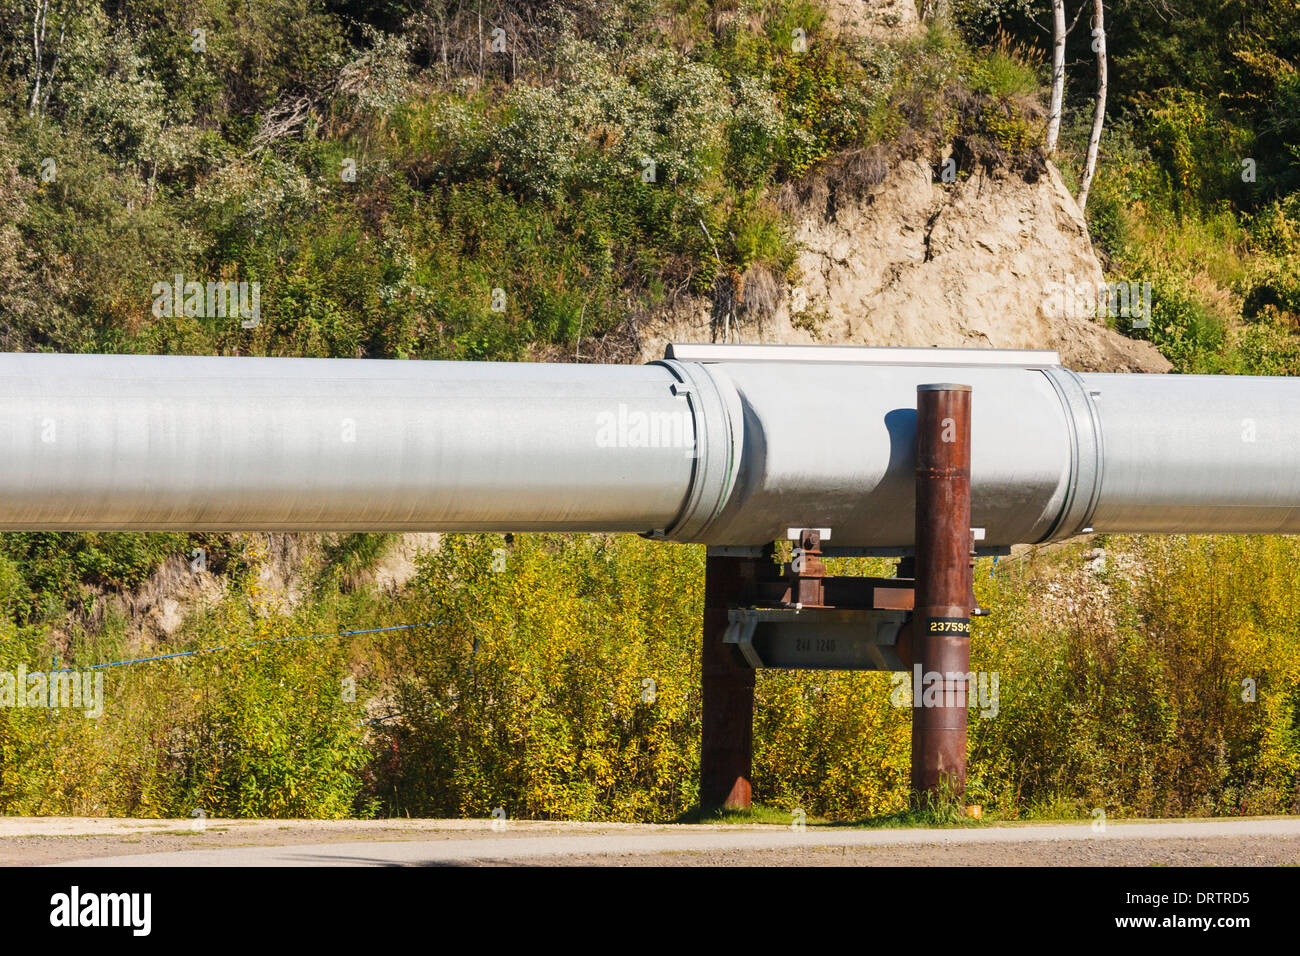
[
  {"x": 727, "y": 747},
  {"x": 941, "y": 620}
]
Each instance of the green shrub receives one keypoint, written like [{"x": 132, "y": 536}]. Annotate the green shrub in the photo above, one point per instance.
[
  {"x": 560, "y": 685},
  {"x": 1004, "y": 73},
  {"x": 1182, "y": 327}
]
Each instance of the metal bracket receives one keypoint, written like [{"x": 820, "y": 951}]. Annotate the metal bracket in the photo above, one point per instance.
[
  {"x": 817, "y": 638},
  {"x": 740, "y": 631}
]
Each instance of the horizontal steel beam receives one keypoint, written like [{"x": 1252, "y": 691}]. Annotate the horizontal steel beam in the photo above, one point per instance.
[{"x": 817, "y": 638}]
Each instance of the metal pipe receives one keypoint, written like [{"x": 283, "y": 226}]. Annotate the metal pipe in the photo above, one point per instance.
[
  {"x": 1185, "y": 453},
  {"x": 716, "y": 451},
  {"x": 941, "y": 620},
  {"x": 833, "y": 446},
  {"x": 128, "y": 442}
]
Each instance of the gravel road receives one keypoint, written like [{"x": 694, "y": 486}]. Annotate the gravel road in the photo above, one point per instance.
[{"x": 33, "y": 841}]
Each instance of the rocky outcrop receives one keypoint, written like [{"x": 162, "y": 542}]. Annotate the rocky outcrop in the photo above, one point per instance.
[
  {"x": 400, "y": 563},
  {"x": 875, "y": 19},
  {"x": 156, "y": 610},
  {"x": 980, "y": 262}
]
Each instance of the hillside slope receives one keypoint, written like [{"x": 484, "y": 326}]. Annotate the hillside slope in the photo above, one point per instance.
[
  {"x": 891, "y": 255},
  {"x": 915, "y": 262}
]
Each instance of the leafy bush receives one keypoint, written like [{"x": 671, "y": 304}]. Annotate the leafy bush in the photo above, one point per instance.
[
  {"x": 1157, "y": 686},
  {"x": 1182, "y": 327},
  {"x": 58, "y": 563},
  {"x": 561, "y": 685},
  {"x": 262, "y": 727},
  {"x": 1273, "y": 285}
]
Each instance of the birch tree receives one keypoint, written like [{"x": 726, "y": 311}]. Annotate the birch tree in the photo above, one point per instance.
[
  {"x": 43, "y": 79},
  {"x": 1058, "y": 75},
  {"x": 1099, "y": 110}
]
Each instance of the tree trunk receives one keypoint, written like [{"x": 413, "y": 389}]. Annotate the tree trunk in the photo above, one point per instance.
[
  {"x": 54, "y": 64},
  {"x": 38, "y": 51},
  {"x": 936, "y": 11},
  {"x": 1058, "y": 75},
  {"x": 1099, "y": 112}
]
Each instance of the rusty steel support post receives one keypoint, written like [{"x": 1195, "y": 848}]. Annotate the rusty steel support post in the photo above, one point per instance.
[
  {"x": 941, "y": 620},
  {"x": 727, "y": 747}
]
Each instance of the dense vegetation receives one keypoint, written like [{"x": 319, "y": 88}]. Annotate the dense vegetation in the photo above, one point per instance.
[
  {"x": 546, "y": 200},
  {"x": 559, "y": 677},
  {"x": 1198, "y": 190}
]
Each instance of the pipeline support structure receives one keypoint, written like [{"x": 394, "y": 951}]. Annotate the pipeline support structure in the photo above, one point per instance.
[
  {"x": 944, "y": 589},
  {"x": 795, "y": 615},
  {"x": 738, "y": 448}
]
